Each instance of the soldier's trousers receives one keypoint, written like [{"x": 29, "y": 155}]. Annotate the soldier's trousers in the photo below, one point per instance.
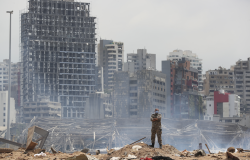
[{"x": 157, "y": 131}]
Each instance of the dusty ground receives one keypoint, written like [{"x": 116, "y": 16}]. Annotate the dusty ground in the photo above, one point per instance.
[{"x": 145, "y": 151}]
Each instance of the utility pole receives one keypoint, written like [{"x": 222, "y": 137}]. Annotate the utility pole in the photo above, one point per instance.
[{"x": 9, "y": 84}]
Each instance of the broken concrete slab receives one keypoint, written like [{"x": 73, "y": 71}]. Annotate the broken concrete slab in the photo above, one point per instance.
[{"x": 39, "y": 131}]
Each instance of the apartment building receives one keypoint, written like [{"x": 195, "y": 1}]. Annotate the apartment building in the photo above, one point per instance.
[
  {"x": 58, "y": 53},
  {"x": 242, "y": 83},
  {"x": 4, "y": 109},
  {"x": 140, "y": 61},
  {"x": 111, "y": 58},
  {"x": 138, "y": 94},
  {"x": 181, "y": 89},
  {"x": 195, "y": 62},
  {"x": 217, "y": 79}
]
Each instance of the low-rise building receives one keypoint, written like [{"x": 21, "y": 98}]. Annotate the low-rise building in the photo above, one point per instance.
[
  {"x": 43, "y": 108},
  {"x": 4, "y": 109},
  {"x": 138, "y": 94},
  {"x": 222, "y": 105}
]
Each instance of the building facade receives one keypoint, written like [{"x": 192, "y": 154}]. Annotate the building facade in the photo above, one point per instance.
[
  {"x": 42, "y": 108},
  {"x": 242, "y": 84},
  {"x": 223, "y": 105},
  {"x": 140, "y": 61},
  {"x": 217, "y": 79},
  {"x": 4, "y": 109},
  {"x": 182, "y": 96},
  {"x": 195, "y": 62},
  {"x": 58, "y": 53},
  {"x": 111, "y": 58},
  {"x": 138, "y": 94},
  {"x": 99, "y": 106}
]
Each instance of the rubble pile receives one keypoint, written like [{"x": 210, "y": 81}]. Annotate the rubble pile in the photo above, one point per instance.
[
  {"x": 143, "y": 152},
  {"x": 138, "y": 151}
]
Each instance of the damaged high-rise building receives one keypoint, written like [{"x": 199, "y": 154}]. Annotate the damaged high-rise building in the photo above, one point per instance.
[{"x": 58, "y": 53}]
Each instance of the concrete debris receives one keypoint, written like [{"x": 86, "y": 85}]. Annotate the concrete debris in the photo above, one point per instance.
[
  {"x": 199, "y": 152},
  {"x": 136, "y": 147},
  {"x": 6, "y": 150},
  {"x": 53, "y": 150},
  {"x": 38, "y": 150},
  {"x": 97, "y": 152},
  {"x": 85, "y": 150},
  {"x": 79, "y": 157},
  {"x": 131, "y": 156},
  {"x": 231, "y": 156},
  {"x": 40, "y": 155},
  {"x": 231, "y": 149}
]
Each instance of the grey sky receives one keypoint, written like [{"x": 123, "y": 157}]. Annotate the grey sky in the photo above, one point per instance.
[{"x": 217, "y": 30}]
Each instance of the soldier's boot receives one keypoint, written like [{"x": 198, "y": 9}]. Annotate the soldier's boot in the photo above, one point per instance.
[
  {"x": 160, "y": 146},
  {"x": 153, "y": 145}
]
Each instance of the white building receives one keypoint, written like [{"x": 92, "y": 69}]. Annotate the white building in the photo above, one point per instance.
[
  {"x": 111, "y": 58},
  {"x": 227, "y": 106},
  {"x": 4, "y": 109},
  {"x": 139, "y": 61},
  {"x": 195, "y": 62}
]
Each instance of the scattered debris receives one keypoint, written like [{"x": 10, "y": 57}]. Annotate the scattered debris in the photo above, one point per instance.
[
  {"x": 131, "y": 156},
  {"x": 136, "y": 147},
  {"x": 161, "y": 158},
  {"x": 79, "y": 157},
  {"x": 53, "y": 150},
  {"x": 208, "y": 149},
  {"x": 85, "y": 150},
  {"x": 231, "y": 156},
  {"x": 231, "y": 149},
  {"x": 138, "y": 140},
  {"x": 6, "y": 150},
  {"x": 97, "y": 152},
  {"x": 40, "y": 154},
  {"x": 199, "y": 152}
]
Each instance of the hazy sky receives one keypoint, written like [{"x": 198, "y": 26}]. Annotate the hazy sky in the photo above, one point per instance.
[{"x": 217, "y": 30}]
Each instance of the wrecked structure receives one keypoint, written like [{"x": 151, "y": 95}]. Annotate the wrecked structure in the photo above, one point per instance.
[
  {"x": 99, "y": 106},
  {"x": 182, "y": 95},
  {"x": 70, "y": 135},
  {"x": 58, "y": 53},
  {"x": 138, "y": 94},
  {"x": 42, "y": 108}
]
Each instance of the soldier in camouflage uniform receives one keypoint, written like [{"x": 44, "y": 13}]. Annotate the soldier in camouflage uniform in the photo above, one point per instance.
[{"x": 156, "y": 128}]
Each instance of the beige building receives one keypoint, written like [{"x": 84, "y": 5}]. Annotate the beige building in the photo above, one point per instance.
[
  {"x": 42, "y": 108},
  {"x": 220, "y": 78}
]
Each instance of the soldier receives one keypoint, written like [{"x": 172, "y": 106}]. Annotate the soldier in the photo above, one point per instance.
[{"x": 156, "y": 128}]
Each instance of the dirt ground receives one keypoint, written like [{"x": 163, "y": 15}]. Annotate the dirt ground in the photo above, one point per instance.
[{"x": 145, "y": 151}]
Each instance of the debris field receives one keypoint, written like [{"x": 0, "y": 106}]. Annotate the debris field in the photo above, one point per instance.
[{"x": 136, "y": 151}]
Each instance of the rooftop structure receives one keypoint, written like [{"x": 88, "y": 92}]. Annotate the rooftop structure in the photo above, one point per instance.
[{"x": 140, "y": 61}]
